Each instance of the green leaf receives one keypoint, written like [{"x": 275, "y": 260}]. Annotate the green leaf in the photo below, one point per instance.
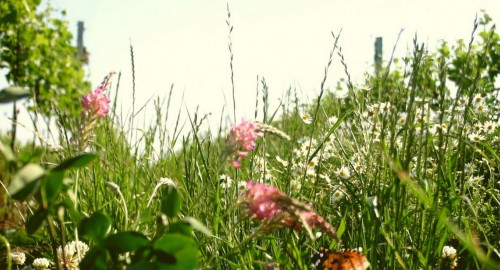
[
  {"x": 171, "y": 203},
  {"x": 25, "y": 182},
  {"x": 126, "y": 242},
  {"x": 197, "y": 225},
  {"x": 7, "y": 153},
  {"x": 176, "y": 251},
  {"x": 180, "y": 227},
  {"x": 71, "y": 210},
  {"x": 76, "y": 162},
  {"x": 53, "y": 184},
  {"x": 13, "y": 93},
  {"x": 96, "y": 258},
  {"x": 341, "y": 228},
  {"x": 96, "y": 226},
  {"x": 143, "y": 266},
  {"x": 36, "y": 221}
]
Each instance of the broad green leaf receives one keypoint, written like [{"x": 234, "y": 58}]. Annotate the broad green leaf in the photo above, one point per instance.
[
  {"x": 96, "y": 258},
  {"x": 95, "y": 227},
  {"x": 176, "y": 251},
  {"x": 170, "y": 203},
  {"x": 180, "y": 227},
  {"x": 76, "y": 162},
  {"x": 126, "y": 242},
  {"x": 7, "y": 153},
  {"x": 25, "y": 182},
  {"x": 197, "y": 225},
  {"x": 53, "y": 184},
  {"x": 36, "y": 221},
  {"x": 69, "y": 206},
  {"x": 13, "y": 93},
  {"x": 142, "y": 265}
]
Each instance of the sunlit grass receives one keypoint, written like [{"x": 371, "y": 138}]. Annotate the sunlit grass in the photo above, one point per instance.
[{"x": 405, "y": 167}]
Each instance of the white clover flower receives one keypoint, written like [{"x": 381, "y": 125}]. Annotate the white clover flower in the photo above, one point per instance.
[
  {"x": 225, "y": 181},
  {"x": 74, "y": 252},
  {"x": 343, "y": 172},
  {"x": 306, "y": 118},
  {"x": 18, "y": 257},
  {"x": 41, "y": 264},
  {"x": 449, "y": 252},
  {"x": 449, "y": 256}
]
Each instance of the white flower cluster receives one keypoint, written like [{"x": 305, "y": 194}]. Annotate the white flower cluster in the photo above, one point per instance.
[
  {"x": 18, "y": 257},
  {"x": 41, "y": 264},
  {"x": 74, "y": 252},
  {"x": 449, "y": 252}
]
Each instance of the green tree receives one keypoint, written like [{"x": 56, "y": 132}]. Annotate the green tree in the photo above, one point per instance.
[{"x": 36, "y": 52}]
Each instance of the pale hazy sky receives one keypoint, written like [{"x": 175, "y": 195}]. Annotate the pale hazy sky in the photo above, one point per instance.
[{"x": 185, "y": 43}]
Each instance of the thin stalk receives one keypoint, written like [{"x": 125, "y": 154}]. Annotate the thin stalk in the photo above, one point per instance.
[{"x": 7, "y": 247}]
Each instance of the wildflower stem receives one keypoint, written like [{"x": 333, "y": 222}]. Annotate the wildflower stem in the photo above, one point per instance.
[
  {"x": 52, "y": 229},
  {"x": 116, "y": 188},
  {"x": 76, "y": 201},
  {"x": 60, "y": 213},
  {"x": 7, "y": 247}
]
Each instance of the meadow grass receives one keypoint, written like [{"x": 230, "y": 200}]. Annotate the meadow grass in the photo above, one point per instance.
[{"x": 404, "y": 167}]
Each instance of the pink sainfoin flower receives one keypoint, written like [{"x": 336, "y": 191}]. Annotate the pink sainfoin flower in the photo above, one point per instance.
[
  {"x": 95, "y": 106},
  {"x": 96, "y": 103},
  {"x": 268, "y": 204},
  {"x": 243, "y": 136},
  {"x": 261, "y": 201}
]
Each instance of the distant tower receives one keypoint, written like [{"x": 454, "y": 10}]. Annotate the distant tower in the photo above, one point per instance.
[
  {"x": 378, "y": 54},
  {"x": 82, "y": 52}
]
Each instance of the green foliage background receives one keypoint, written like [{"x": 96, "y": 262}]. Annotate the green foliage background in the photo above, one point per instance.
[{"x": 36, "y": 51}]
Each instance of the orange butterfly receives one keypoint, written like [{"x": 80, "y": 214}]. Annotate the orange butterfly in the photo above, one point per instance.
[{"x": 347, "y": 259}]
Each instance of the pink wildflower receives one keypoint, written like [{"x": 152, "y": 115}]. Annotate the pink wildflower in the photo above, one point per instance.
[
  {"x": 96, "y": 103},
  {"x": 243, "y": 136},
  {"x": 268, "y": 204},
  {"x": 262, "y": 201}
]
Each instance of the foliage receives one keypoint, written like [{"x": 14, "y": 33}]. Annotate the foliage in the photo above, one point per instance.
[
  {"x": 405, "y": 167},
  {"x": 36, "y": 50}
]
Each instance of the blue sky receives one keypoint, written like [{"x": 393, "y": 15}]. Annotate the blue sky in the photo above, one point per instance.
[{"x": 185, "y": 43}]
